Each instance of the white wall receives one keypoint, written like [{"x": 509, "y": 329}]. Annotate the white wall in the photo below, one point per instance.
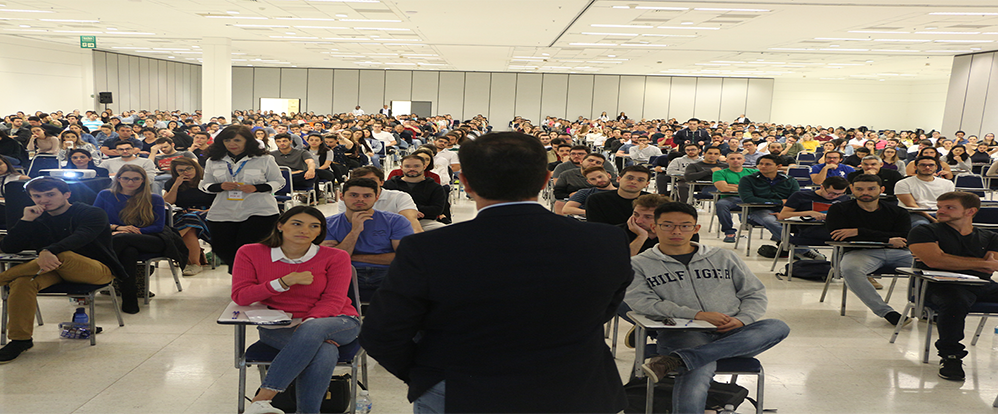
[
  {"x": 972, "y": 100},
  {"x": 138, "y": 83},
  {"x": 500, "y": 96},
  {"x": 850, "y": 103},
  {"x": 43, "y": 76}
]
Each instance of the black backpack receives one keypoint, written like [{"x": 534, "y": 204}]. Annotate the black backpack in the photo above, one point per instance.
[
  {"x": 816, "y": 270},
  {"x": 336, "y": 400},
  {"x": 719, "y": 396}
]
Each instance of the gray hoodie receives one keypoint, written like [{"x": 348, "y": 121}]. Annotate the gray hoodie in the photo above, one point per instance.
[{"x": 716, "y": 280}]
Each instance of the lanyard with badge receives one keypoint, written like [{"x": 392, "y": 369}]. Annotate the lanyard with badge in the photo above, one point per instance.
[{"x": 236, "y": 195}]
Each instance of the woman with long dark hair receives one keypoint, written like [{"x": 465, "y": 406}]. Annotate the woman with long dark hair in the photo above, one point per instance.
[
  {"x": 135, "y": 215},
  {"x": 325, "y": 168},
  {"x": 243, "y": 177},
  {"x": 81, "y": 159},
  {"x": 191, "y": 222},
  {"x": 289, "y": 271},
  {"x": 958, "y": 158}
]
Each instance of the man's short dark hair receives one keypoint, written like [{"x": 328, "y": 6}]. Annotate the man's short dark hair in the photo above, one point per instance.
[
  {"x": 123, "y": 142},
  {"x": 691, "y": 120},
  {"x": 837, "y": 183},
  {"x": 595, "y": 155},
  {"x": 43, "y": 184},
  {"x": 771, "y": 157},
  {"x": 161, "y": 140},
  {"x": 362, "y": 171},
  {"x": 640, "y": 169},
  {"x": 34, "y": 118},
  {"x": 864, "y": 150},
  {"x": 925, "y": 142},
  {"x": 651, "y": 200},
  {"x": 284, "y": 135},
  {"x": 360, "y": 182},
  {"x": 505, "y": 166},
  {"x": 581, "y": 148},
  {"x": 122, "y": 125},
  {"x": 870, "y": 178},
  {"x": 674, "y": 206},
  {"x": 834, "y": 152},
  {"x": 710, "y": 148},
  {"x": 565, "y": 146},
  {"x": 967, "y": 200}
]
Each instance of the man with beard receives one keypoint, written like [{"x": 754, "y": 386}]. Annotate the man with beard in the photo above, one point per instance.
[
  {"x": 370, "y": 236},
  {"x": 599, "y": 179},
  {"x": 871, "y": 164},
  {"x": 867, "y": 219},
  {"x": 953, "y": 244},
  {"x": 430, "y": 197}
]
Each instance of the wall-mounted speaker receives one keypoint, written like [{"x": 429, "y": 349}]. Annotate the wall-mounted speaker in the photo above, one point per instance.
[{"x": 105, "y": 98}]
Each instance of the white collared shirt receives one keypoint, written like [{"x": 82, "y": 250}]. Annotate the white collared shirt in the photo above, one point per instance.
[
  {"x": 276, "y": 254},
  {"x": 257, "y": 170}
]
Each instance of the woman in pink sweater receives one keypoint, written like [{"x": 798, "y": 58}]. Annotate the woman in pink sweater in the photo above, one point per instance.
[{"x": 289, "y": 271}]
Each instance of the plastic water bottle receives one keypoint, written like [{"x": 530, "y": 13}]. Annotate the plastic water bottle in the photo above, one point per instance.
[
  {"x": 364, "y": 404},
  {"x": 994, "y": 341},
  {"x": 81, "y": 316}
]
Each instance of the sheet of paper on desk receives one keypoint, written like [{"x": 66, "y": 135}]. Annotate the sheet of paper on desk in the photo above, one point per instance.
[
  {"x": 939, "y": 273},
  {"x": 267, "y": 315},
  {"x": 682, "y": 324},
  {"x": 17, "y": 257}
]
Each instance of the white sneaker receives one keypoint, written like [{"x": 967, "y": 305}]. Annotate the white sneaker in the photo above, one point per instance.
[
  {"x": 262, "y": 407},
  {"x": 192, "y": 269}
]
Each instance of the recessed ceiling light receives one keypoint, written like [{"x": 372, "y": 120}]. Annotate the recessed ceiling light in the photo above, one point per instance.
[
  {"x": 25, "y": 11},
  {"x": 621, "y": 7},
  {"x": 727, "y": 10},
  {"x": 69, "y": 21},
  {"x": 609, "y": 34},
  {"x": 642, "y": 44},
  {"x": 947, "y": 33},
  {"x": 341, "y": 15},
  {"x": 902, "y": 40},
  {"x": 320, "y": 27},
  {"x": 689, "y": 28},
  {"x": 846, "y": 50},
  {"x": 661, "y": 8},
  {"x": 964, "y": 41},
  {"x": 371, "y": 20},
  {"x": 636, "y": 26},
  {"x": 686, "y": 23},
  {"x": 236, "y": 17},
  {"x": 305, "y": 18},
  {"x": 963, "y": 14}
]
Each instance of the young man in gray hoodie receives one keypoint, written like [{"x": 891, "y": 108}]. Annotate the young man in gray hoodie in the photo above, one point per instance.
[{"x": 682, "y": 279}]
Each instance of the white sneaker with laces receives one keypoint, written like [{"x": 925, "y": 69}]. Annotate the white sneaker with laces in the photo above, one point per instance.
[
  {"x": 192, "y": 269},
  {"x": 262, "y": 407}
]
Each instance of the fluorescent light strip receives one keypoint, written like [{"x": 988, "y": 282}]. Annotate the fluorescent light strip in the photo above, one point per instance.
[
  {"x": 387, "y": 29},
  {"x": 131, "y": 33},
  {"x": 69, "y": 21},
  {"x": 642, "y": 45},
  {"x": 622, "y": 25},
  {"x": 948, "y": 51},
  {"x": 902, "y": 40},
  {"x": 609, "y": 34},
  {"x": 897, "y": 51},
  {"x": 345, "y": 1},
  {"x": 964, "y": 41},
  {"x": 293, "y": 37},
  {"x": 26, "y": 11},
  {"x": 963, "y": 14},
  {"x": 666, "y": 35},
  {"x": 236, "y": 17},
  {"x": 689, "y": 28},
  {"x": 947, "y": 33},
  {"x": 845, "y": 50},
  {"x": 128, "y": 47},
  {"x": 727, "y": 10},
  {"x": 877, "y": 32},
  {"x": 77, "y": 31},
  {"x": 321, "y": 27},
  {"x": 846, "y": 39},
  {"x": 371, "y": 20},
  {"x": 260, "y": 25},
  {"x": 661, "y": 8},
  {"x": 592, "y": 44},
  {"x": 789, "y": 48},
  {"x": 305, "y": 18}
]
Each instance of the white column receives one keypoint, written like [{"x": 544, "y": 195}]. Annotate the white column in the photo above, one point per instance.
[
  {"x": 216, "y": 77},
  {"x": 88, "y": 99}
]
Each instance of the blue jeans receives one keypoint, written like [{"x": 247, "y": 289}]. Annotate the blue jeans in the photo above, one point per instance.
[
  {"x": 764, "y": 217},
  {"x": 432, "y": 401},
  {"x": 369, "y": 280},
  {"x": 700, "y": 351},
  {"x": 723, "y": 210},
  {"x": 306, "y": 356},
  {"x": 375, "y": 160},
  {"x": 857, "y": 266}
]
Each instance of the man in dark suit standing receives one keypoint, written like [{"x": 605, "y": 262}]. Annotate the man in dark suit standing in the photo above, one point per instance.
[{"x": 495, "y": 327}]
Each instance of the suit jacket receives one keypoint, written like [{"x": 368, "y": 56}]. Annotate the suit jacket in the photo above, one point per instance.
[{"x": 508, "y": 328}]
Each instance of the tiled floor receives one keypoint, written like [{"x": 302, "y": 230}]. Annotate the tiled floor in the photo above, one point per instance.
[{"x": 173, "y": 358}]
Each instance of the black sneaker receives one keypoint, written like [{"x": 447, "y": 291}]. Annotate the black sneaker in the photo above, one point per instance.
[
  {"x": 13, "y": 349},
  {"x": 951, "y": 368}
]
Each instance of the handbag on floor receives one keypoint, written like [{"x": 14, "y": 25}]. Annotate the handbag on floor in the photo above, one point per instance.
[
  {"x": 336, "y": 400},
  {"x": 719, "y": 396},
  {"x": 816, "y": 270}
]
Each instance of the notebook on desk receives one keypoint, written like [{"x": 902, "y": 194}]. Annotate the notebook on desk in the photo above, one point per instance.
[
  {"x": 941, "y": 276},
  {"x": 680, "y": 323}
]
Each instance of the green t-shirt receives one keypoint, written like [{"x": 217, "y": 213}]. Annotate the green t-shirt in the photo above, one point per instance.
[{"x": 731, "y": 177}]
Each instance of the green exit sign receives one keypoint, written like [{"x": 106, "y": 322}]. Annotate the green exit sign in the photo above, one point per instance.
[{"x": 88, "y": 42}]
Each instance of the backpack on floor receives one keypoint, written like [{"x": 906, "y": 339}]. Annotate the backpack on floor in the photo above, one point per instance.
[
  {"x": 816, "y": 270},
  {"x": 719, "y": 396},
  {"x": 336, "y": 400}
]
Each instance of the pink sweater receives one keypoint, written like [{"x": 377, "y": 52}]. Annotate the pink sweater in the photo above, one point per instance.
[{"x": 325, "y": 297}]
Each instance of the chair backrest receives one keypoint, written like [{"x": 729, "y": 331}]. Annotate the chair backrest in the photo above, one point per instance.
[
  {"x": 651, "y": 160},
  {"x": 804, "y": 158},
  {"x": 969, "y": 181},
  {"x": 987, "y": 215},
  {"x": 355, "y": 289},
  {"x": 799, "y": 172},
  {"x": 286, "y": 190},
  {"x": 42, "y": 162}
]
